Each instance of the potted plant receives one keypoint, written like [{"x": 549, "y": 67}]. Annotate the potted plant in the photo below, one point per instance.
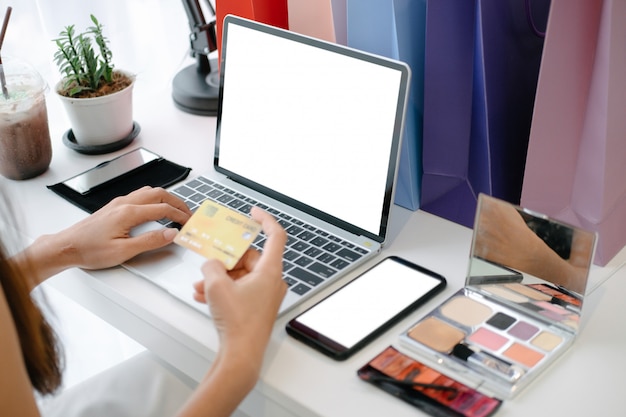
[{"x": 97, "y": 97}]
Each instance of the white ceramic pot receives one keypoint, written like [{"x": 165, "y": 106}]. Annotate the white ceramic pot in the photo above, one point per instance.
[{"x": 100, "y": 120}]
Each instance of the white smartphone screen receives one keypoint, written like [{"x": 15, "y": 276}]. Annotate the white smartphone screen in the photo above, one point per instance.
[{"x": 366, "y": 305}]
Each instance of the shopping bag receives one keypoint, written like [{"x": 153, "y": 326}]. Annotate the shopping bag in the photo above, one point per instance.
[
  {"x": 271, "y": 12},
  {"x": 314, "y": 18},
  {"x": 576, "y": 163},
  {"x": 395, "y": 29},
  {"x": 482, "y": 62}
]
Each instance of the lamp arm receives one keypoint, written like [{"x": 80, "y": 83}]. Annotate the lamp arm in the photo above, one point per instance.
[{"x": 203, "y": 38}]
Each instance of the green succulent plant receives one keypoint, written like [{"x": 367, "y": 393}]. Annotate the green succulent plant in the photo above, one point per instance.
[{"x": 85, "y": 61}]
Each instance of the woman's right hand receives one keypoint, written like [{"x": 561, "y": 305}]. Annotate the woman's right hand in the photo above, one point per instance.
[{"x": 244, "y": 301}]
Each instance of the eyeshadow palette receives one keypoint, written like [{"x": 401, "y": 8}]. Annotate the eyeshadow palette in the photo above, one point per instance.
[{"x": 520, "y": 308}]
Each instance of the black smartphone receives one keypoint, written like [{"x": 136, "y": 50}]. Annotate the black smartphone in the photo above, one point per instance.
[{"x": 357, "y": 313}]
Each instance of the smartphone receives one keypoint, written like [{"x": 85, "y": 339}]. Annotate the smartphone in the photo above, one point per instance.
[
  {"x": 360, "y": 311},
  {"x": 101, "y": 173}
]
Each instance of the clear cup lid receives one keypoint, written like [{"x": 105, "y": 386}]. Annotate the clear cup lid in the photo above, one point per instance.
[{"x": 23, "y": 82}]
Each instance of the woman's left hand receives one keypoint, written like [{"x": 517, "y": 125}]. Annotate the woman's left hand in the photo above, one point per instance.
[{"x": 104, "y": 238}]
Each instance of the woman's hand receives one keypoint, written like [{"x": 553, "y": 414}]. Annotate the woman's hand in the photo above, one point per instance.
[
  {"x": 104, "y": 239},
  {"x": 244, "y": 302}
]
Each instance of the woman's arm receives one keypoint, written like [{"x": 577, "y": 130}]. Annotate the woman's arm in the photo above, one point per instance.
[
  {"x": 244, "y": 304},
  {"x": 103, "y": 239}
]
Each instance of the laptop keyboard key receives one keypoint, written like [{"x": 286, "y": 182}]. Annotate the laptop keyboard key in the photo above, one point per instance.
[
  {"x": 286, "y": 266},
  {"x": 290, "y": 255},
  {"x": 305, "y": 276},
  {"x": 294, "y": 230},
  {"x": 225, "y": 198},
  {"x": 193, "y": 184},
  {"x": 204, "y": 189},
  {"x": 332, "y": 247},
  {"x": 215, "y": 194},
  {"x": 300, "y": 289},
  {"x": 290, "y": 281},
  {"x": 306, "y": 235},
  {"x": 235, "y": 203},
  {"x": 245, "y": 209},
  {"x": 313, "y": 252},
  {"x": 197, "y": 198},
  {"x": 300, "y": 246},
  {"x": 319, "y": 241},
  {"x": 348, "y": 255},
  {"x": 184, "y": 191},
  {"x": 284, "y": 223},
  {"x": 339, "y": 264},
  {"x": 323, "y": 270},
  {"x": 303, "y": 261},
  {"x": 326, "y": 258}
]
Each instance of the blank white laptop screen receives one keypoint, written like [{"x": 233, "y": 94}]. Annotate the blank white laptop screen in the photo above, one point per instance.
[{"x": 324, "y": 120}]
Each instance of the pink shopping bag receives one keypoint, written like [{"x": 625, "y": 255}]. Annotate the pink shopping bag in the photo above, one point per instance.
[
  {"x": 323, "y": 19},
  {"x": 576, "y": 161}
]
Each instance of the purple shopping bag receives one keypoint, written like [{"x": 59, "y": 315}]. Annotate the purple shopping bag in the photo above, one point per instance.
[{"x": 482, "y": 62}]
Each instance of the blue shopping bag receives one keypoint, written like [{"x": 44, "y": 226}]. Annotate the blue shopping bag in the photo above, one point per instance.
[{"x": 396, "y": 29}]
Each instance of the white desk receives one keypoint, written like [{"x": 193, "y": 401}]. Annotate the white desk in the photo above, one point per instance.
[{"x": 296, "y": 380}]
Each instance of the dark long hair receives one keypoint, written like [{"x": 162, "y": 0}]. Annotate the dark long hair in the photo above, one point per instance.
[{"x": 39, "y": 344}]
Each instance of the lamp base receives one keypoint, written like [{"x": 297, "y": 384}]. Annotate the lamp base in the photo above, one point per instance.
[{"x": 196, "y": 93}]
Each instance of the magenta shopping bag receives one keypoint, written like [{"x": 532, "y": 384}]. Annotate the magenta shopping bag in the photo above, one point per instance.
[
  {"x": 576, "y": 164},
  {"x": 482, "y": 61},
  {"x": 395, "y": 29}
]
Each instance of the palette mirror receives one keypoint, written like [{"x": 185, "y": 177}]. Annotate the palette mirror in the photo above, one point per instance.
[
  {"x": 520, "y": 308},
  {"x": 530, "y": 261}
]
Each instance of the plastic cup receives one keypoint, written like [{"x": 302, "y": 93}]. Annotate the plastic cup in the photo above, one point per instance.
[{"x": 25, "y": 146}]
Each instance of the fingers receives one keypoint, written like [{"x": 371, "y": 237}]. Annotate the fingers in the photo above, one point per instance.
[
  {"x": 268, "y": 264},
  {"x": 147, "y": 204},
  {"x": 246, "y": 263},
  {"x": 276, "y": 237},
  {"x": 150, "y": 240},
  {"x": 142, "y": 213},
  {"x": 152, "y": 195},
  {"x": 214, "y": 272}
]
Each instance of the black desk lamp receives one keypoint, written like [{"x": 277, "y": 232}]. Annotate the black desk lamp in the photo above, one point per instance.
[{"x": 196, "y": 87}]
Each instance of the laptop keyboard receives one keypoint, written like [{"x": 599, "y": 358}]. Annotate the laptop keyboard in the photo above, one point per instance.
[{"x": 311, "y": 255}]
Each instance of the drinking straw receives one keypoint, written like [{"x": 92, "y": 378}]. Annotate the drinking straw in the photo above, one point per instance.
[{"x": 3, "y": 80}]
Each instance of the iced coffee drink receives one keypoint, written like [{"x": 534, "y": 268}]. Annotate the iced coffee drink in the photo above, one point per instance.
[{"x": 25, "y": 147}]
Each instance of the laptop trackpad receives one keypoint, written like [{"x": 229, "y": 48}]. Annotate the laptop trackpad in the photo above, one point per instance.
[{"x": 172, "y": 268}]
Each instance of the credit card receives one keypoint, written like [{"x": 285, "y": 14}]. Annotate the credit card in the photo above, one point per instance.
[{"x": 218, "y": 232}]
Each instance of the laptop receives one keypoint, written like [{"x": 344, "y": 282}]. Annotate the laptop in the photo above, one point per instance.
[{"x": 309, "y": 131}]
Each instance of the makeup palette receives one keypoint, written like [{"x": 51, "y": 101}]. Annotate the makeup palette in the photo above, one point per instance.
[{"x": 520, "y": 308}]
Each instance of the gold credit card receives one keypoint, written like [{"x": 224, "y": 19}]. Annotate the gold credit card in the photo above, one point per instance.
[{"x": 218, "y": 232}]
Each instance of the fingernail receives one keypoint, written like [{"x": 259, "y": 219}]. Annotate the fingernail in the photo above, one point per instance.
[{"x": 170, "y": 233}]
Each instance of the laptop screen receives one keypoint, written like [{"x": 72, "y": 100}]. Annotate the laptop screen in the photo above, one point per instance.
[{"x": 314, "y": 123}]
